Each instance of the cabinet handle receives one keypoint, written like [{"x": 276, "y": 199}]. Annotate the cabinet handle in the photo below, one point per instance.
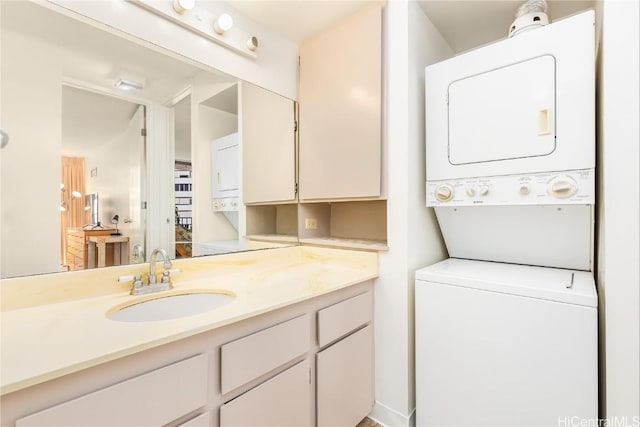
[{"x": 544, "y": 121}]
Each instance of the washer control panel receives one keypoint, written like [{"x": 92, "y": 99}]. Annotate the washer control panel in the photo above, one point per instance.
[{"x": 549, "y": 188}]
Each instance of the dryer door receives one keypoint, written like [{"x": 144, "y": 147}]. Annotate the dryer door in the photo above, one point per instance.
[{"x": 505, "y": 113}]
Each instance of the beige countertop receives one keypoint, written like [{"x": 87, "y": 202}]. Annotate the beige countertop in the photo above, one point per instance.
[{"x": 56, "y": 324}]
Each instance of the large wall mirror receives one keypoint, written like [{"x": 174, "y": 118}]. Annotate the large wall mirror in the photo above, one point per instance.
[{"x": 89, "y": 114}]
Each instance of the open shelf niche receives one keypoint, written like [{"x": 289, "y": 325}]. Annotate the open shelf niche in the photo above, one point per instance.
[{"x": 353, "y": 225}]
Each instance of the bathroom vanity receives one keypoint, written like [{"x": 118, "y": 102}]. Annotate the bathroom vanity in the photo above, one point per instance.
[{"x": 293, "y": 347}]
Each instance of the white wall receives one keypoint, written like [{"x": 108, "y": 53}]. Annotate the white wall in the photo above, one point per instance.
[
  {"x": 274, "y": 69},
  {"x": 618, "y": 237},
  {"x": 31, "y": 162},
  {"x": 113, "y": 163},
  {"x": 411, "y": 43}
]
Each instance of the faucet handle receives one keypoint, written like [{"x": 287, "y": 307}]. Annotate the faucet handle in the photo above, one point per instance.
[
  {"x": 165, "y": 277},
  {"x": 137, "y": 284}
]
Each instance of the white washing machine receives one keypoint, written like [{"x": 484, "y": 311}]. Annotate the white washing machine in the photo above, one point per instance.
[{"x": 505, "y": 345}]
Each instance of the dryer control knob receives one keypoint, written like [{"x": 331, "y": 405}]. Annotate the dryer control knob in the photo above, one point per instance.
[
  {"x": 524, "y": 190},
  {"x": 471, "y": 192},
  {"x": 484, "y": 190},
  {"x": 444, "y": 192},
  {"x": 562, "y": 187}
]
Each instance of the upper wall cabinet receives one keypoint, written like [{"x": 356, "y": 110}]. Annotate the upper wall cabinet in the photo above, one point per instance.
[
  {"x": 268, "y": 146},
  {"x": 340, "y": 96}
]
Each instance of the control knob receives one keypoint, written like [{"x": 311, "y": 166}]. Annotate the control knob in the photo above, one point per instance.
[
  {"x": 562, "y": 187},
  {"x": 444, "y": 192},
  {"x": 484, "y": 190}
]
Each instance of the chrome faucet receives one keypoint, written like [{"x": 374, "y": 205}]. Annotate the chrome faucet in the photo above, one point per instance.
[
  {"x": 139, "y": 287},
  {"x": 152, "y": 266}
]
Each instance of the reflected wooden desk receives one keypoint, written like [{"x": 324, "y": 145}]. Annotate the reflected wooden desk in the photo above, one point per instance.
[{"x": 120, "y": 250}]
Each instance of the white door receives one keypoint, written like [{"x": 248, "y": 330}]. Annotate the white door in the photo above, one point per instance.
[
  {"x": 136, "y": 220},
  {"x": 505, "y": 113}
]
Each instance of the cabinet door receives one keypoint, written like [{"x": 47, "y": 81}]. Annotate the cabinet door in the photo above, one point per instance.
[
  {"x": 284, "y": 400},
  {"x": 340, "y": 110},
  {"x": 345, "y": 380},
  {"x": 268, "y": 146}
]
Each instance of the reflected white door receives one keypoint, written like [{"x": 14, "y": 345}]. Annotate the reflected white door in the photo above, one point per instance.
[{"x": 137, "y": 215}]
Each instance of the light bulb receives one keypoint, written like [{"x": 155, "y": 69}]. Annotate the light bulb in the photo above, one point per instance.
[
  {"x": 252, "y": 43},
  {"x": 223, "y": 23},
  {"x": 181, "y": 6}
]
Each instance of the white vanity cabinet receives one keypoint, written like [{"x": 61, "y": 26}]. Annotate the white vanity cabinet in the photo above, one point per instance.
[
  {"x": 284, "y": 400},
  {"x": 344, "y": 369},
  {"x": 305, "y": 364},
  {"x": 152, "y": 399}
]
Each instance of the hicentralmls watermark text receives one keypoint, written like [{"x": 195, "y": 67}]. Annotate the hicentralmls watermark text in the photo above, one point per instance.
[{"x": 603, "y": 422}]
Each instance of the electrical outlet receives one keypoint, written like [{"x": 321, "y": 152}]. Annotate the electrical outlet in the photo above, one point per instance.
[{"x": 310, "y": 223}]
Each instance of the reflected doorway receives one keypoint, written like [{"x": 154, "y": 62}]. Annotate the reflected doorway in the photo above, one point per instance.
[
  {"x": 102, "y": 185},
  {"x": 183, "y": 179}
]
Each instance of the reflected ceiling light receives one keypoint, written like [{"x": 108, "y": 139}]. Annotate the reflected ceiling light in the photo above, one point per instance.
[
  {"x": 76, "y": 194},
  {"x": 124, "y": 82},
  {"x": 181, "y": 6},
  {"x": 252, "y": 43},
  {"x": 223, "y": 23}
]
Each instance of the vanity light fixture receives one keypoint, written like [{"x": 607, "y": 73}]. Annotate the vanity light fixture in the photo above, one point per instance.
[
  {"x": 223, "y": 23},
  {"x": 124, "y": 82},
  {"x": 181, "y": 6},
  {"x": 215, "y": 26},
  {"x": 252, "y": 43}
]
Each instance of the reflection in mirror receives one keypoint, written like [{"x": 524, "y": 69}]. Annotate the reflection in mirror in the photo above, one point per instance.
[
  {"x": 183, "y": 180},
  {"x": 102, "y": 165},
  {"x": 97, "y": 175}
]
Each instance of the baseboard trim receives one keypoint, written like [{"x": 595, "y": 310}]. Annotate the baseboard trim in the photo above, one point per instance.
[{"x": 389, "y": 417}]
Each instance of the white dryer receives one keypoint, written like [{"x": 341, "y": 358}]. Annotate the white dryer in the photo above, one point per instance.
[
  {"x": 521, "y": 105},
  {"x": 505, "y": 345},
  {"x": 510, "y": 147}
]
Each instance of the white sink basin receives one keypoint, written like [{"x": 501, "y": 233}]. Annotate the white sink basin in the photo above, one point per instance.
[{"x": 170, "y": 307}]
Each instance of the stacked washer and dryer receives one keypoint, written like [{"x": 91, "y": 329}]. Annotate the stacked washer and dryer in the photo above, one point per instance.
[{"x": 506, "y": 329}]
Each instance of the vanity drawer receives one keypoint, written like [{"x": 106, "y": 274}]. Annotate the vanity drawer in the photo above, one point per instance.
[
  {"x": 284, "y": 400},
  {"x": 339, "y": 319},
  {"x": 250, "y": 357},
  {"x": 155, "y": 398}
]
